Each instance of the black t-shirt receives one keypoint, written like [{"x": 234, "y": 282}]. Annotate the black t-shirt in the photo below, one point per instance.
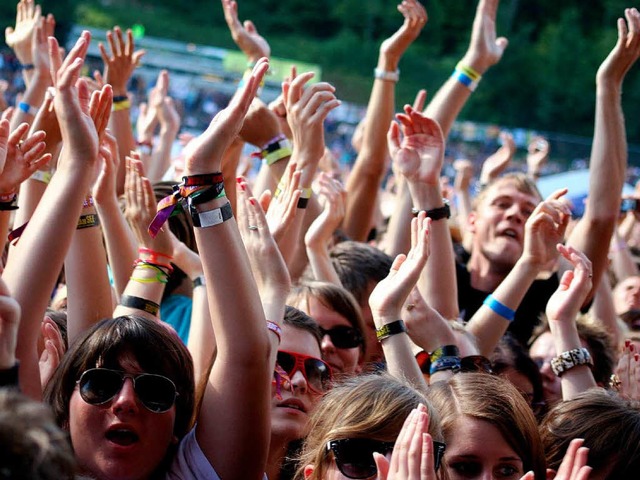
[{"x": 527, "y": 315}]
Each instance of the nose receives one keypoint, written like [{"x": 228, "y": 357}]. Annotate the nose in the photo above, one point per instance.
[
  {"x": 327, "y": 345},
  {"x": 514, "y": 212},
  {"x": 125, "y": 400},
  {"x": 298, "y": 382}
]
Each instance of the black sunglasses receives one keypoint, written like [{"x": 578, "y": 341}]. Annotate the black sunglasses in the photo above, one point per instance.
[
  {"x": 354, "y": 456},
  {"x": 343, "y": 336},
  {"x": 315, "y": 371},
  {"x": 472, "y": 363},
  {"x": 100, "y": 385}
]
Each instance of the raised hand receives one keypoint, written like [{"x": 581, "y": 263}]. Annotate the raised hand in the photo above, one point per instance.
[
  {"x": 574, "y": 287},
  {"x": 267, "y": 263},
  {"x": 123, "y": 60},
  {"x": 281, "y": 210},
  {"x": 141, "y": 208},
  {"x": 332, "y": 196},
  {"x": 574, "y": 464},
  {"x": 245, "y": 35},
  {"x": 19, "y": 158},
  {"x": 493, "y": 166},
  {"x": 626, "y": 380},
  {"x": 306, "y": 111},
  {"x": 19, "y": 37},
  {"x": 204, "y": 154},
  {"x": 39, "y": 46},
  {"x": 545, "y": 228},
  {"x": 537, "y": 155},
  {"x": 105, "y": 187},
  {"x": 82, "y": 118},
  {"x": 389, "y": 296},
  {"x": 260, "y": 125},
  {"x": 412, "y": 457},
  {"x": 464, "y": 174},
  {"x": 54, "y": 349},
  {"x": 626, "y": 51},
  {"x": 418, "y": 153},
  {"x": 415, "y": 18},
  {"x": 485, "y": 49}
]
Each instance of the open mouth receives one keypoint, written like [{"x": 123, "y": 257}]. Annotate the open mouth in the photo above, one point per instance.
[
  {"x": 122, "y": 437},
  {"x": 511, "y": 233}
]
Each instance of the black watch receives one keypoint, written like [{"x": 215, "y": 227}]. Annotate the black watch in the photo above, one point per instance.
[{"x": 436, "y": 213}]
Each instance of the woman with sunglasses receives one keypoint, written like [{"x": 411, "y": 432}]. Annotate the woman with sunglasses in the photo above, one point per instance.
[
  {"x": 125, "y": 389},
  {"x": 300, "y": 379},
  {"x": 361, "y": 417},
  {"x": 338, "y": 314}
]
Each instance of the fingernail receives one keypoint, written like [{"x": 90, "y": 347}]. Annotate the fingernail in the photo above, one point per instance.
[
  {"x": 239, "y": 179},
  {"x": 252, "y": 201},
  {"x": 636, "y": 356},
  {"x": 627, "y": 343},
  {"x": 632, "y": 347}
]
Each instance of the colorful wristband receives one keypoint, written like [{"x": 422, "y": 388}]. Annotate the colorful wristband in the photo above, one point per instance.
[
  {"x": 29, "y": 109},
  {"x": 390, "y": 329},
  {"x": 87, "y": 221},
  {"x": 275, "y": 328}
]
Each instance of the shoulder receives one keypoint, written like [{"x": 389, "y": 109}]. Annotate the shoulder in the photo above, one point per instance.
[{"x": 190, "y": 463}]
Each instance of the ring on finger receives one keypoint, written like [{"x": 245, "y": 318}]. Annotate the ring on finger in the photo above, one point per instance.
[
  {"x": 614, "y": 382},
  {"x": 253, "y": 227}
]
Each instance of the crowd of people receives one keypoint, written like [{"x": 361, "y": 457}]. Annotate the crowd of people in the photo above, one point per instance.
[{"x": 169, "y": 316}]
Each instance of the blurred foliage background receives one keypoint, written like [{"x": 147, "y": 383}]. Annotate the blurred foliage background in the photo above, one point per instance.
[{"x": 545, "y": 81}]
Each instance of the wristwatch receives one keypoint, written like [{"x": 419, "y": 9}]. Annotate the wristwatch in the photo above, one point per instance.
[{"x": 436, "y": 213}]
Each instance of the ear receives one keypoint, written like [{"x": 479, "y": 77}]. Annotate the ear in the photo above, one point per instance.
[
  {"x": 551, "y": 474},
  {"x": 308, "y": 471}
]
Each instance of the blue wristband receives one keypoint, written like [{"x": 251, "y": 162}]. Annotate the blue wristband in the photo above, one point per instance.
[
  {"x": 502, "y": 310},
  {"x": 26, "y": 108}
]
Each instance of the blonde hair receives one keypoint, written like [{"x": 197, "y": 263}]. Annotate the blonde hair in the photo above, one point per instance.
[
  {"x": 522, "y": 182},
  {"x": 369, "y": 406}
]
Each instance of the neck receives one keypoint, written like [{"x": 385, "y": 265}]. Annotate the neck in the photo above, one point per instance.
[{"x": 485, "y": 274}]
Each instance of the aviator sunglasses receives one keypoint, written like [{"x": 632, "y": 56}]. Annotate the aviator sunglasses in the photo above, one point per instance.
[
  {"x": 343, "y": 336},
  {"x": 354, "y": 456},
  {"x": 315, "y": 371},
  {"x": 100, "y": 385}
]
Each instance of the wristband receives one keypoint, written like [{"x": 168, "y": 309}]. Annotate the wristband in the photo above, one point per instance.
[
  {"x": 87, "y": 202},
  {"x": 444, "y": 363},
  {"x": 211, "y": 218},
  {"x": 211, "y": 193},
  {"x": 29, "y": 109},
  {"x": 199, "y": 281},
  {"x": 444, "y": 351},
  {"x": 304, "y": 197},
  {"x": 502, "y": 310},
  {"x": 275, "y": 328},
  {"x": 120, "y": 98},
  {"x": 27, "y": 66},
  {"x": 139, "y": 303},
  {"x": 148, "y": 251},
  {"x": 9, "y": 376},
  {"x": 570, "y": 359},
  {"x": 41, "y": 176},
  {"x": 390, "y": 329},
  {"x": 380, "y": 74},
  {"x": 436, "y": 213},
  {"x": 276, "y": 151},
  {"x": 123, "y": 105},
  {"x": 87, "y": 221}
]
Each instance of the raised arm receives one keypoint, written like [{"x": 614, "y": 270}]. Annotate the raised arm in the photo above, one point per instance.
[
  {"x": 544, "y": 229},
  {"x": 387, "y": 300},
  {"x": 485, "y": 50},
  {"x": 562, "y": 309},
  {"x": 418, "y": 155},
  {"x": 234, "y": 419},
  {"x": 609, "y": 151},
  {"x": 371, "y": 164},
  {"x": 119, "y": 63},
  {"x": 44, "y": 243},
  {"x": 495, "y": 164}
]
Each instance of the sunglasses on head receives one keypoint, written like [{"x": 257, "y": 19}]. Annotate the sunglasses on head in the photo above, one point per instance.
[
  {"x": 100, "y": 385},
  {"x": 354, "y": 456},
  {"x": 315, "y": 371},
  {"x": 343, "y": 336}
]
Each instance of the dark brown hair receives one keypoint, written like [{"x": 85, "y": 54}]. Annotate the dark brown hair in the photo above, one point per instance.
[{"x": 154, "y": 347}]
